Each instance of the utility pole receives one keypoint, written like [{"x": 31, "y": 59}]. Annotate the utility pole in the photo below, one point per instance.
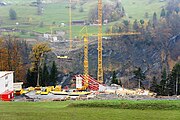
[{"x": 70, "y": 24}]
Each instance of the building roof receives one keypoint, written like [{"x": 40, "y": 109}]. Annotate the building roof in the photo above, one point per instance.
[{"x": 4, "y": 73}]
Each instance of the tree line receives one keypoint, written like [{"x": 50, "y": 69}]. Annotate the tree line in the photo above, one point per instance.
[
  {"x": 29, "y": 62},
  {"x": 159, "y": 30},
  {"x": 110, "y": 12},
  {"x": 169, "y": 84},
  {"x": 13, "y": 57}
]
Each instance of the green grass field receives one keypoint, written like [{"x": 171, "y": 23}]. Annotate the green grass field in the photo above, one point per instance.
[
  {"x": 137, "y": 8},
  {"x": 103, "y": 110},
  {"x": 59, "y": 13}
]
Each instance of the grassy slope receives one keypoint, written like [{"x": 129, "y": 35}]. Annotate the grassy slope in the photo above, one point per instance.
[
  {"x": 58, "y": 13},
  {"x": 140, "y": 7},
  {"x": 125, "y": 104},
  {"x": 59, "y": 110}
]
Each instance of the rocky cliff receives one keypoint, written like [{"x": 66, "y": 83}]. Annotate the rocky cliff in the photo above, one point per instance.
[{"x": 124, "y": 55}]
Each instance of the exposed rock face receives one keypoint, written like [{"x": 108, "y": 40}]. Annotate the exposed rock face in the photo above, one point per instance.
[{"x": 125, "y": 54}]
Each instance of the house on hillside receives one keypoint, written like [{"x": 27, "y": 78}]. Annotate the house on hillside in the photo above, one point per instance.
[
  {"x": 3, "y": 3},
  {"x": 57, "y": 37}
]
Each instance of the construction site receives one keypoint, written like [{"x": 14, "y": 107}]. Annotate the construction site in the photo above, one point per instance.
[
  {"x": 86, "y": 87},
  {"x": 89, "y": 59}
]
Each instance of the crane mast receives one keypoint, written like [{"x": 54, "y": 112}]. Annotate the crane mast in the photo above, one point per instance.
[
  {"x": 99, "y": 35},
  {"x": 70, "y": 25},
  {"x": 100, "y": 67},
  {"x": 86, "y": 73}
]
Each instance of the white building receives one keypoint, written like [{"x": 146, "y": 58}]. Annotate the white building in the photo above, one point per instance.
[{"x": 6, "y": 81}]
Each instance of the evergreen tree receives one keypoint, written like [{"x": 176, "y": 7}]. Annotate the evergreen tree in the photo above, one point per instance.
[
  {"x": 53, "y": 74},
  {"x": 123, "y": 10},
  {"x": 30, "y": 78},
  {"x": 126, "y": 25},
  {"x": 170, "y": 85},
  {"x": 12, "y": 14},
  {"x": 163, "y": 13},
  {"x": 139, "y": 75},
  {"x": 153, "y": 87},
  {"x": 81, "y": 9},
  {"x": 39, "y": 7},
  {"x": 114, "y": 79},
  {"x": 175, "y": 80},
  {"x": 155, "y": 20},
  {"x": 163, "y": 82},
  {"x": 141, "y": 21},
  {"x": 45, "y": 75},
  {"x": 135, "y": 25}
]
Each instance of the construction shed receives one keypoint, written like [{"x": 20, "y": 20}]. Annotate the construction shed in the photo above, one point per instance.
[{"x": 6, "y": 85}]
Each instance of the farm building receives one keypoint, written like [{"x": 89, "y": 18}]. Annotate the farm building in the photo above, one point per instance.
[
  {"x": 78, "y": 22},
  {"x": 6, "y": 85}
]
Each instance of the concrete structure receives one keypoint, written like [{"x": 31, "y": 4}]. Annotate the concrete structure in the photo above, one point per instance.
[
  {"x": 17, "y": 86},
  {"x": 6, "y": 81}
]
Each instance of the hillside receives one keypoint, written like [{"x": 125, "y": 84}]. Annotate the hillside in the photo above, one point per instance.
[
  {"x": 56, "y": 12},
  {"x": 124, "y": 55},
  {"x": 137, "y": 8}
]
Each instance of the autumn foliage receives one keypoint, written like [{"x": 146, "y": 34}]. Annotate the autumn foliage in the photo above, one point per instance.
[{"x": 11, "y": 57}]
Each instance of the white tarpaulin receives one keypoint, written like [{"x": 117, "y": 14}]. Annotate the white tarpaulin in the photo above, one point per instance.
[
  {"x": 102, "y": 88},
  {"x": 78, "y": 82}
]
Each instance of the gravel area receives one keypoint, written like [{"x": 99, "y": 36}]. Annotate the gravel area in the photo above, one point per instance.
[{"x": 32, "y": 96}]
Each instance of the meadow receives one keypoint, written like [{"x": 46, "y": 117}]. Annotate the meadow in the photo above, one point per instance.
[
  {"x": 58, "y": 13},
  {"x": 91, "y": 110}
]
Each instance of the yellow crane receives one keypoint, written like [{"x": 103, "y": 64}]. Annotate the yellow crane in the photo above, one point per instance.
[
  {"x": 100, "y": 60},
  {"x": 85, "y": 36},
  {"x": 86, "y": 63},
  {"x": 100, "y": 67}
]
